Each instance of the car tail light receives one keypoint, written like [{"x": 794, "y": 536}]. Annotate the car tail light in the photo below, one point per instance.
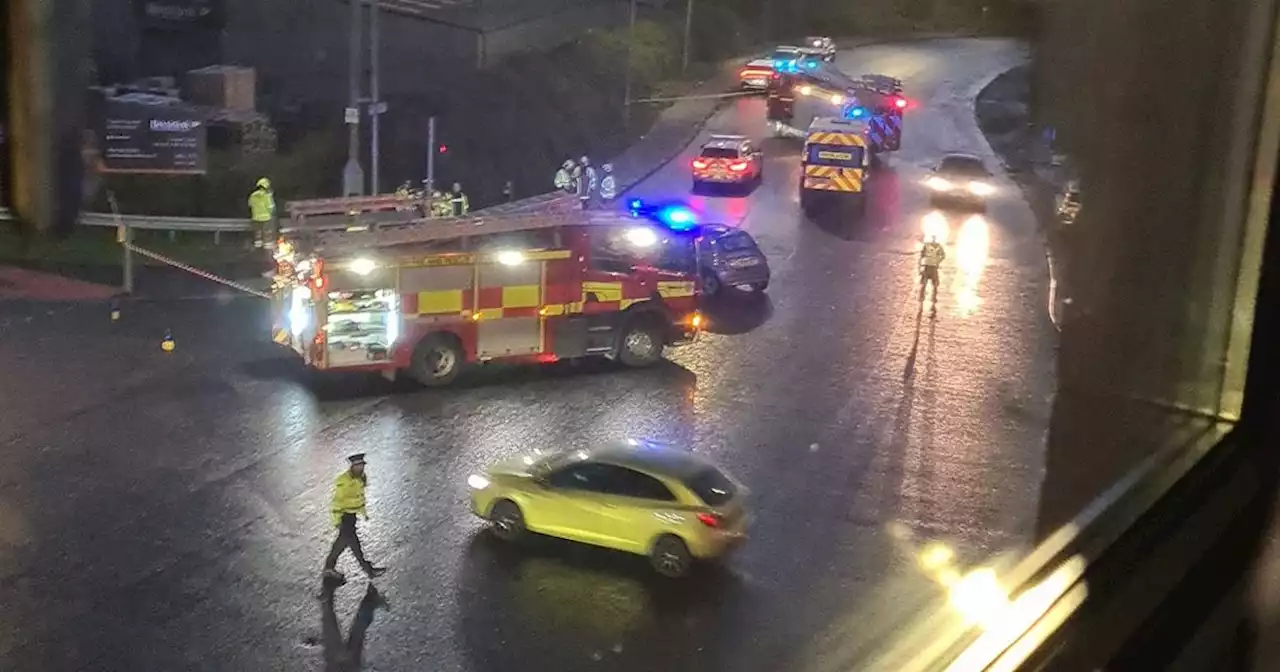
[
  {"x": 739, "y": 166},
  {"x": 709, "y": 519},
  {"x": 699, "y": 164}
]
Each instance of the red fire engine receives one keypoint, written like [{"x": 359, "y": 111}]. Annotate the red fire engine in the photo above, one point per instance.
[{"x": 363, "y": 284}]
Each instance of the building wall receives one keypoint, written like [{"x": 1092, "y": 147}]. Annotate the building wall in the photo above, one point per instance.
[{"x": 299, "y": 47}]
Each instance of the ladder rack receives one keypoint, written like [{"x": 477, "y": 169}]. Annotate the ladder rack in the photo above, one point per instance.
[
  {"x": 383, "y": 211},
  {"x": 422, "y": 231}
]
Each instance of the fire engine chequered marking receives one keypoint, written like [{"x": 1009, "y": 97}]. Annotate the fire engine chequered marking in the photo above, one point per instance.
[
  {"x": 521, "y": 296},
  {"x": 444, "y": 301}
]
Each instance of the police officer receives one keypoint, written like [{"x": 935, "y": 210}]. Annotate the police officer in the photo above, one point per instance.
[
  {"x": 348, "y": 502},
  {"x": 458, "y": 204},
  {"x": 608, "y": 186},
  {"x": 262, "y": 210},
  {"x": 931, "y": 256},
  {"x": 564, "y": 176}
]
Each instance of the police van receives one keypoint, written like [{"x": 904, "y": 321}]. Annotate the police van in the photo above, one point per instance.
[{"x": 836, "y": 162}]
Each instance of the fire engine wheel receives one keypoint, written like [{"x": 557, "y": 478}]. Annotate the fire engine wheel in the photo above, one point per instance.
[
  {"x": 641, "y": 343},
  {"x": 437, "y": 360}
]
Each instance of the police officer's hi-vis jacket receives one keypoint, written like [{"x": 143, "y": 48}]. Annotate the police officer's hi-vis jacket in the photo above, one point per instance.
[
  {"x": 348, "y": 497},
  {"x": 932, "y": 254}
]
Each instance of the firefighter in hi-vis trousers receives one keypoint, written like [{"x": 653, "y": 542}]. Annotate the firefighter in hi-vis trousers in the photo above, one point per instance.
[
  {"x": 262, "y": 210},
  {"x": 931, "y": 256},
  {"x": 348, "y": 502},
  {"x": 459, "y": 206}
]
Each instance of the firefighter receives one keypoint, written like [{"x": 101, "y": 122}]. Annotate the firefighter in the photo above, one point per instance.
[
  {"x": 262, "y": 210},
  {"x": 348, "y": 503},
  {"x": 931, "y": 256},
  {"x": 586, "y": 182},
  {"x": 404, "y": 193},
  {"x": 440, "y": 205},
  {"x": 592, "y": 178},
  {"x": 564, "y": 176},
  {"x": 581, "y": 188},
  {"x": 608, "y": 187},
  {"x": 458, "y": 204}
]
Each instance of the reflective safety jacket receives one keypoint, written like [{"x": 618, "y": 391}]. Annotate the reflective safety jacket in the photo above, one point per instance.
[
  {"x": 348, "y": 497},
  {"x": 459, "y": 205},
  {"x": 608, "y": 187},
  {"x": 262, "y": 205},
  {"x": 932, "y": 254},
  {"x": 591, "y": 178},
  {"x": 563, "y": 180}
]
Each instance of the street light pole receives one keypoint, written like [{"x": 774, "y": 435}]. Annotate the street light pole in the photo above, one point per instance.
[
  {"x": 688, "y": 29},
  {"x": 375, "y": 106},
  {"x": 352, "y": 174},
  {"x": 631, "y": 43}
]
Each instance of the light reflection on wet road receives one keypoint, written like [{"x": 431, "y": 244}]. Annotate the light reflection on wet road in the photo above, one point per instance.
[{"x": 169, "y": 512}]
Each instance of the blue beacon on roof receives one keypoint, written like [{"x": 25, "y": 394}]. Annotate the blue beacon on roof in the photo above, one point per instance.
[{"x": 675, "y": 217}]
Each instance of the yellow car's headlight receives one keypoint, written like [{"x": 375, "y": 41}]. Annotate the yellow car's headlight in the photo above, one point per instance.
[
  {"x": 937, "y": 184},
  {"x": 477, "y": 482},
  {"x": 981, "y": 189}
]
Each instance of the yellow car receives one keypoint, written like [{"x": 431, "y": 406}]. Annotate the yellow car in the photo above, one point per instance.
[{"x": 634, "y": 496}]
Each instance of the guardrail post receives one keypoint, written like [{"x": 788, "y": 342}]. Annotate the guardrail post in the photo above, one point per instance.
[
  {"x": 126, "y": 238},
  {"x": 217, "y": 237}
]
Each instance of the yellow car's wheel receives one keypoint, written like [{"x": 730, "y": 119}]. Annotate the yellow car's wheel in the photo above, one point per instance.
[
  {"x": 506, "y": 521},
  {"x": 670, "y": 557}
]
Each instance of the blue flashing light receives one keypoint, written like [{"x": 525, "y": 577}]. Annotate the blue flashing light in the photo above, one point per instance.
[
  {"x": 810, "y": 64},
  {"x": 635, "y": 205},
  {"x": 855, "y": 112},
  {"x": 678, "y": 218}
]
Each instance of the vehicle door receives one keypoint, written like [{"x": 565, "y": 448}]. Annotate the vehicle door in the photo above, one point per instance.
[
  {"x": 636, "y": 508},
  {"x": 573, "y": 503},
  {"x": 671, "y": 267}
]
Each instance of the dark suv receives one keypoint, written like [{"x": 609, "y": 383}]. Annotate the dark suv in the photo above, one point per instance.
[{"x": 729, "y": 257}]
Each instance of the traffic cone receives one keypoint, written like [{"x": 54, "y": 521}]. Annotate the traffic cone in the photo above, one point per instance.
[
  {"x": 115, "y": 309},
  {"x": 167, "y": 344}
]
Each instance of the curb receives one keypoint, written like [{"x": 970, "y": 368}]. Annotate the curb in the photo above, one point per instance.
[{"x": 1051, "y": 262}]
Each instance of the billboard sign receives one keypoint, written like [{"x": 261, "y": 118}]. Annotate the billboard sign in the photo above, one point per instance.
[
  {"x": 140, "y": 138},
  {"x": 179, "y": 14}
]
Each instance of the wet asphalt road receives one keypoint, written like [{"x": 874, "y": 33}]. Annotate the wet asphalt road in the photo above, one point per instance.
[{"x": 168, "y": 512}]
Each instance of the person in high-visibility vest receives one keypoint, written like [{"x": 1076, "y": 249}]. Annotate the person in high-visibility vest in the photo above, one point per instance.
[
  {"x": 458, "y": 203},
  {"x": 262, "y": 210},
  {"x": 564, "y": 176},
  {"x": 931, "y": 256},
  {"x": 608, "y": 186},
  {"x": 348, "y": 503},
  {"x": 440, "y": 205}
]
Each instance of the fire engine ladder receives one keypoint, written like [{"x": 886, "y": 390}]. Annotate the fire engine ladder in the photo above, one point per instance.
[
  {"x": 363, "y": 222},
  {"x": 357, "y": 213}
]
